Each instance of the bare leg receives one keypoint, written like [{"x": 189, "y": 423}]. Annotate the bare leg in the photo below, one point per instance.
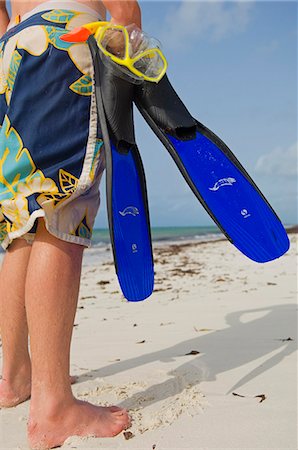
[
  {"x": 15, "y": 386},
  {"x": 16, "y": 370},
  {"x": 52, "y": 287}
]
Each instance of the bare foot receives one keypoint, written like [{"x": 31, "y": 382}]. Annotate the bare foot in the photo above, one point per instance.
[
  {"x": 18, "y": 391},
  {"x": 15, "y": 389},
  {"x": 13, "y": 394},
  {"x": 73, "y": 379},
  {"x": 77, "y": 419}
]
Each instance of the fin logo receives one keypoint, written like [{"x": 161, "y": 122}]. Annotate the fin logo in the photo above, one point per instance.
[
  {"x": 134, "y": 248},
  {"x": 223, "y": 182},
  {"x": 244, "y": 213},
  {"x": 132, "y": 210}
]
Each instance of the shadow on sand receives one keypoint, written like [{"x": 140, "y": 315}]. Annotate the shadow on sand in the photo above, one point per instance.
[{"x": 245, "y": 339}]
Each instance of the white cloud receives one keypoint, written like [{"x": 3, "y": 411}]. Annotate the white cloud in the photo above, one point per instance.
[
  {"x": 280, "y": 162},
  {"x": 215, "y": 20}
]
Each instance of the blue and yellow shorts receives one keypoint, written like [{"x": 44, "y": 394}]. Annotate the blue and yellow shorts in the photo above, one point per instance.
[{"x": 51, "y": 154}]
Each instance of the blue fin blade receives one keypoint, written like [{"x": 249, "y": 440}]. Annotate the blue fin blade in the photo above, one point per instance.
[
  {"x": 233, "y": 201},
  {"x": 130, "y": 226}
]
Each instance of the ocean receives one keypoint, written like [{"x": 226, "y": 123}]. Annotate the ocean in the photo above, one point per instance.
[
  {"x": 162, "y": 234},
  {"x": 101, "y": 248}
]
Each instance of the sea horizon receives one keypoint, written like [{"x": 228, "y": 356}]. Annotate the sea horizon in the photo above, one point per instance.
[
  {"x": 179, "y": 234},
  {"x": 101, "y": 236}
]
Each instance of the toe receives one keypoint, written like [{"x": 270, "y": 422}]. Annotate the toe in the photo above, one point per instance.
[{"x": 117, "y": 410}]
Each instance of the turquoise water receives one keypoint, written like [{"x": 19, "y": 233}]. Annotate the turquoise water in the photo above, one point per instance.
[
  {"x": 101, "y": 251},
  {"x": 101, "y": 236}
]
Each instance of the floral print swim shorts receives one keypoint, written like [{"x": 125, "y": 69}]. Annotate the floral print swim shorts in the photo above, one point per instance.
[{"x": 51, "y": 151}]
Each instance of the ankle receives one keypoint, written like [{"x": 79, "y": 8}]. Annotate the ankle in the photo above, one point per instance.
[
  {"x": 49, "y": 406},
  {"x": 13, "y": 373}
]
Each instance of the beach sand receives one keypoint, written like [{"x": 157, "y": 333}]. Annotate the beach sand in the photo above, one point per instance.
[{"x": 207, "y": 362}]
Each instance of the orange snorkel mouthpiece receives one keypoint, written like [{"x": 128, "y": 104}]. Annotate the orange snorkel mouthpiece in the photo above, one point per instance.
[{"x": 80, "y": 34}]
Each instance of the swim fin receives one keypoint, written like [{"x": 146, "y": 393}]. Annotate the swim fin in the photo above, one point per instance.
[
  {"x": 127, "y": 204},
  {"x": 213, "y": 173}
]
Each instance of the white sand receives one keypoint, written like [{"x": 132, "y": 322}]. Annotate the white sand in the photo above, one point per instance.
[{"x": 237, "y": 314}]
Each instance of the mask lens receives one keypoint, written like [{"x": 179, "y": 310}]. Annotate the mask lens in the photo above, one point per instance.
[
  {"x": 113, "y": 41},
  {"x": 151, "y": 64}
]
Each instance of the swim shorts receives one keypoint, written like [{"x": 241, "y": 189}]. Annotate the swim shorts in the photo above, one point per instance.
[{"x": 51, "y": 151}]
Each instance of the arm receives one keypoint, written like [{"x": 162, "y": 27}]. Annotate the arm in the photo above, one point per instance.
[
  {"x": 4, "y": 19},
  {"x": 124, "y": 12}
]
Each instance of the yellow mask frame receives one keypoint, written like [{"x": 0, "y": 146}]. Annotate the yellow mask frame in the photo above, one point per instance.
[{"x": 98, "y": 29}]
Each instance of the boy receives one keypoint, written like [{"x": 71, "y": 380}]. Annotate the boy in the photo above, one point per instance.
[{"x": 50, "y": 168}]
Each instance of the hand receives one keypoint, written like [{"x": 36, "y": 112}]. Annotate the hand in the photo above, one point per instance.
[{"x": 114, "y": 42}]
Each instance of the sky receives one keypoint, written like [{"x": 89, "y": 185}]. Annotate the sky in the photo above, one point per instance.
[{"x": 234, "y": 64}]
